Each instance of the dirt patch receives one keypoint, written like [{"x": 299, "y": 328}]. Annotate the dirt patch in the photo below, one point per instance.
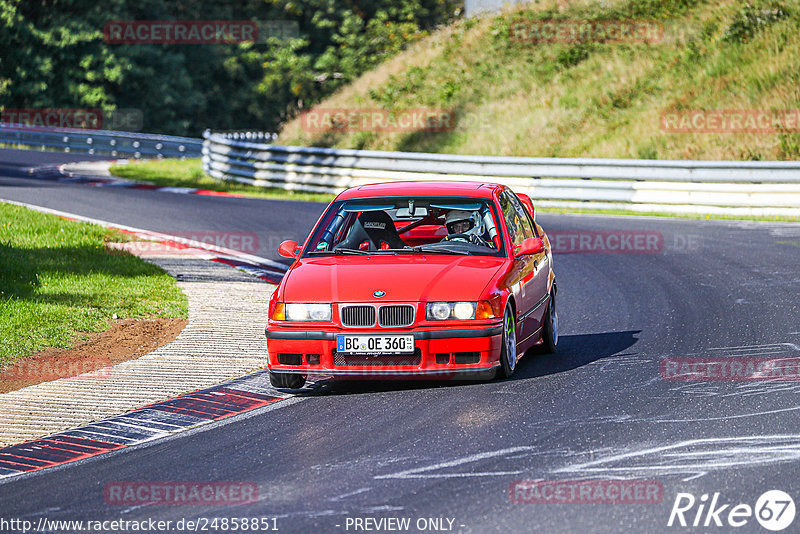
[{"x": 127, "y": 339}]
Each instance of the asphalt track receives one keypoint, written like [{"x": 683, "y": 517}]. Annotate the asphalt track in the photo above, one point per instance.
[{"x": 597, "y": 410}]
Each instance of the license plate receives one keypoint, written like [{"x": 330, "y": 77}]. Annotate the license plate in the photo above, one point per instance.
[{"x": 347, "y": 344}]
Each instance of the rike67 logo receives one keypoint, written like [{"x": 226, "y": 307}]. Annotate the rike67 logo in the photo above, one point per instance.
[{"x": 774, "y": 510}]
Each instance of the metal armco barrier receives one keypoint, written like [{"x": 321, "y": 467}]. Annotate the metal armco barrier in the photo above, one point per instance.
[
  {"x": 733, "y": 187},
  {"x": 101, "y": 142}
]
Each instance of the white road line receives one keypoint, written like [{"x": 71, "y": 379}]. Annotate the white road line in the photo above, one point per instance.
[
  {"x": 350, "y": 494},
  {"x": 416, "y": 472},
  {"x": 721, "y": 453},
  {"x": 770, "y": 348}
]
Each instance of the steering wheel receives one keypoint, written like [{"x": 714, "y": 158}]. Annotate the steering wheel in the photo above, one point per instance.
[
  {"x": 457, "y": 237},
  {"x": 468, "y": 238}
]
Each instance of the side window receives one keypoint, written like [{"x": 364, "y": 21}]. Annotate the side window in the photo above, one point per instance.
[
  {"x": 524, "y": 217},
  {"x": 528, "y": 216},
  {"x": 508, "y": 215},
  {"x": 517, "y": 219}
]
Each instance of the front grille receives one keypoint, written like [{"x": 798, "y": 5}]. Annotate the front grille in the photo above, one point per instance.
[
  {"x": 396, "y": 315},
  {"x": 358, "y": 316},
  {"x": 352, "y": 360}
]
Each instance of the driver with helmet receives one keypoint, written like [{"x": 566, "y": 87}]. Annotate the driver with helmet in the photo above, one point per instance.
[{"x": 464, "y": 225}]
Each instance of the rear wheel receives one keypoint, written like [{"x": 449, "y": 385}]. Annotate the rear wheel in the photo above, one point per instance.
[
  {"x": 508, "y": 354},
  {"x": 550, "y": 329},
  {"x": 286, "y": 380}
]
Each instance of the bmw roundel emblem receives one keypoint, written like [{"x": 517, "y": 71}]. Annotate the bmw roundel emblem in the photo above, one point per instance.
[{"x": 378, "y": 294}]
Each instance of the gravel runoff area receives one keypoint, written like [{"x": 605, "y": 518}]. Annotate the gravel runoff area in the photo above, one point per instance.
[{"x": 224, "y": 339}]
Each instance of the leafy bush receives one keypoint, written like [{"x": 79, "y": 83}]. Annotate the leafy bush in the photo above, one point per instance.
[
  {"x": 53, "y": 55},
  {"x": 752, "y": 18}
]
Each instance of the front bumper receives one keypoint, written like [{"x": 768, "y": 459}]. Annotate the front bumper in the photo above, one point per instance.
[{"x": 442, "y": 353}]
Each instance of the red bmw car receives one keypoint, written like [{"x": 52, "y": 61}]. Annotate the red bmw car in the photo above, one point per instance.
[{"x": 414, "y": 279}]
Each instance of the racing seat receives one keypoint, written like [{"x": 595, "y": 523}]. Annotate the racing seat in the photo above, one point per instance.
[{"x": 375, "y": 228}]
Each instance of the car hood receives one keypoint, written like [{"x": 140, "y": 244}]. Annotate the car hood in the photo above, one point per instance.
[{"x": 404, "y": 278}]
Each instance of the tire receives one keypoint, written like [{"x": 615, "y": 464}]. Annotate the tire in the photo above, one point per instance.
[
  {"x": 550, "y": 328},
  {"x": 508, "y": 353},
  {"x": 286, "y": 380}
]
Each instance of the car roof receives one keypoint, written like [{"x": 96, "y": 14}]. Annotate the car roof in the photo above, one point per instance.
[{"x": 442, "y": 188}]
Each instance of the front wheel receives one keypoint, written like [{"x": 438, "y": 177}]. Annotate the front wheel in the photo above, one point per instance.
[
  {"x": 286, "y": 380},
  {"x": 550, "y": 329},
  {"x": 508, "y": 353}
]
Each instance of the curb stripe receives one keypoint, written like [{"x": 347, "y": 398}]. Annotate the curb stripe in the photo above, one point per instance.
[
  {"x": 159, "y": 419},
  {"x": 21, "y": 466},
  {"x": 149, "y": 422},
  {"x": 32, "y": 456},
  {"x": 255, "y": 270},
  {"x": 25, "y": 462},
  {"x": 56, "y": 173}
]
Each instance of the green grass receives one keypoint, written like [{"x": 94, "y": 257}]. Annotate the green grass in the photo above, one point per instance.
[
  {"x": 591, "y": 99},
  {"x": 189, "y": 173},
  {"x": 58, "y": 281}
]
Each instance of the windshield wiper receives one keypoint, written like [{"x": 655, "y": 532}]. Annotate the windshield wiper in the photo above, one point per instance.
[
  {"x": 438, "y": 250},
  {"x": 418, "y": 249},
  {"x": 340, "y": 251}
]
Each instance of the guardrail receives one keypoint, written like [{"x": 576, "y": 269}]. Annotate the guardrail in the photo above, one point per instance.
[
  {"x": 101, "y": 142},
  {"x": 733, "y": 187}
]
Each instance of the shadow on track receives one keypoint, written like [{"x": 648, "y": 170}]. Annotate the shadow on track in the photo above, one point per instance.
[
  {"x": 573, "y": 351},
  {"x": 14, "y": 170}
]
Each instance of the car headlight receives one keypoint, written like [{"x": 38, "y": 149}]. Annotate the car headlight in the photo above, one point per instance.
[
  {"x": 308, "y": 312},
  {"x": 464, "y": 310},
  {"x": 441, "y": 311}
]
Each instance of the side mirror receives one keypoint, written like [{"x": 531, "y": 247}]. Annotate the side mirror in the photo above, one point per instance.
[
  {"x": 289, "y": 249},
  {"x": 526, "y": 200},
  {"x": 532, "y": 245}
]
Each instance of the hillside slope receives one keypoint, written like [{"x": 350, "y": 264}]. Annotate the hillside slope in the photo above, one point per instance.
[{"x": 511, "y": 96}]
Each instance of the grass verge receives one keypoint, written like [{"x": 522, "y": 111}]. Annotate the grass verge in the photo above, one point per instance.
[
  {"x": 189, "y": 173},
  {"x": 591, "y": 98},
  {"x": 58, "y": 282}
]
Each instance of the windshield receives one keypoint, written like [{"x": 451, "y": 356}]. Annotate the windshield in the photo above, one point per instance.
[{"x": 408, "y": 225}]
